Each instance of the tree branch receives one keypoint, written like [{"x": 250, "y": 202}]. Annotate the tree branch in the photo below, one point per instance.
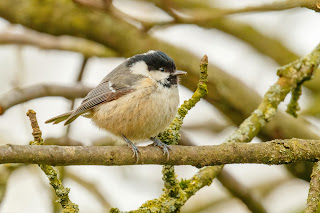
[
  {"x": 241, "y": 192},
  {"x": 290, "y": 76},
  {"x": 66, "y": 43},
  {"x": 273, "y": 152},
  {"x": 91, "y": 187},
  {"x": 209, "y": 13},
  {"x": 61, "y": 192},
  {"x": 18, "y": 95},
  {"x": 314, "y": 191}
]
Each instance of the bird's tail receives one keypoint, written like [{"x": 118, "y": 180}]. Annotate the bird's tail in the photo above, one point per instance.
[{"x": 59, "y": 118}]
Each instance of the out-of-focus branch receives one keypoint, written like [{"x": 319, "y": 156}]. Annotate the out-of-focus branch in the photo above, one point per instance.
[
  {"x": 67, "y": 43},
  {"x": 209, "y": 13},
  {"x": 91, "y": 187},
  {"x": 5, "y": 173},
  {"x": 225, "y": 90},
  {"x": 314, "y": 191},
  {"x": 96, "y": 4},
  {"x": 61, "y": 192},
  {"x": 108, "y": 7},
  {"x": 273, "y": 152},
  {"x": 278, "y": 5},
  {"x": 207, "y": 203},
  {"x": 20, "y": 95},
  {"x": 262, "y": 43},
  {"x": 241, "y": 192},
  {"x": 78, "y": 80}
]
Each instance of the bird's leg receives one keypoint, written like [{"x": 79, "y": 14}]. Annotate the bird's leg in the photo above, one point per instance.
[
  {"x": 135, "y": 149},
  {"x": 165, "y": 148}
]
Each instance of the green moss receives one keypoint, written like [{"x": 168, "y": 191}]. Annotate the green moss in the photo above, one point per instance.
[
  {"x": 293, "y": 106},
  {"x": 51, "y": 173},
  {"x": 184, "y": 183}
]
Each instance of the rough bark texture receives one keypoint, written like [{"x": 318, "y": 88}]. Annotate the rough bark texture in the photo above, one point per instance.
[{"x": 274, "y": 152}]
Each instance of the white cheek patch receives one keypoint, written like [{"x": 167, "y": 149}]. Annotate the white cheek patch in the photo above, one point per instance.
[
  {"x": 110, "y": 87},
  {"x": 140, "y": 68},
  {"x": 159, "y": 76}
]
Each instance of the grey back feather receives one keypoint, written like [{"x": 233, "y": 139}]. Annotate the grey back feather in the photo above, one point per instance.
[{"x": 116, "y": 84}]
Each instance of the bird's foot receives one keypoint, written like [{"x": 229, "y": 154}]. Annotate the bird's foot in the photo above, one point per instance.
[
  {"x": 135, "y": 149},
  {"x": 165, "y": 148}
]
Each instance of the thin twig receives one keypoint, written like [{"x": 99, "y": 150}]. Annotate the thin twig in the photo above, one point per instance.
[
  {"x": 78, "y": 80},
  {"x": 314, "y": 191},
  {"x": 171, "y": 135},
  {"x": 51, "y": 173}
]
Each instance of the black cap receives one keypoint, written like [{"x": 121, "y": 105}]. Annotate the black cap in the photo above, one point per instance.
[{"x": 154, "y": 60}]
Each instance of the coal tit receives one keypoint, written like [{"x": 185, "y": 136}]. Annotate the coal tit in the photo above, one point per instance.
[{"x": 135, "y": 102}]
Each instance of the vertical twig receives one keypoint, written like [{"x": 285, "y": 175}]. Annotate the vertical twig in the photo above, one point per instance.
[
  {"x": 61, "y": 192},
  {"x": 78, "y": 80},
  {"x": 314, "y": 191},
  {"x": 56, "y": 208}
]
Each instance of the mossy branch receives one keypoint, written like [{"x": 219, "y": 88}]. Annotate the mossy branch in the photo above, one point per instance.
[
  {"x": 314, "y": 191},
  {"x": 171, "y": 135},
  {"x": 51, "y": 173},
  {"x": 290, "y": 76},
  {"x": 273, "y": 152},
  {"x": 293, "y": 106}
]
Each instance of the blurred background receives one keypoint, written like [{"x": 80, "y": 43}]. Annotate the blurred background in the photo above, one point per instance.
[{"x": 68, "y": 43}]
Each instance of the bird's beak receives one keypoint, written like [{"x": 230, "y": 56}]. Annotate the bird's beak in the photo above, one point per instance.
[{"x": 179, "y": 72}]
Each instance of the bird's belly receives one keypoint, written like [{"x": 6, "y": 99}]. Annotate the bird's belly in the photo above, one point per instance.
[{"x": 138, "y": 116}]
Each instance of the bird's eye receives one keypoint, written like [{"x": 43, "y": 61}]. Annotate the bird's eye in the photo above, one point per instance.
[{"x": 161, "y": 69}]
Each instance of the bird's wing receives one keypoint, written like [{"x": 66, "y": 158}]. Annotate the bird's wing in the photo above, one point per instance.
[{"x": 104, "y": 92}]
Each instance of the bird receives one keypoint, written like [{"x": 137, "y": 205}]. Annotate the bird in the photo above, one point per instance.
[{"x": 135, "y": 102}]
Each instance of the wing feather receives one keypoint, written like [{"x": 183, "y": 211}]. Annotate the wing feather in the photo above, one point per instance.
[{"x": 101, "y": 94}]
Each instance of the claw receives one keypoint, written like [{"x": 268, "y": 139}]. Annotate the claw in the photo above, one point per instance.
[
  {"x": 135, "y": 149},
  {"x": 165, "y": 148}
]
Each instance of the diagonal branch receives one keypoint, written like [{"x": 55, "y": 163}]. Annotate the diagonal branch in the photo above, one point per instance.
[{"x": 242, "y": 192}]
